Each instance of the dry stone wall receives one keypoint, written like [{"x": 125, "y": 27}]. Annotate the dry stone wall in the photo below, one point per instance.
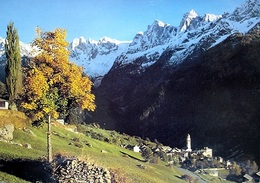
[{"x": 77, "y": 171}]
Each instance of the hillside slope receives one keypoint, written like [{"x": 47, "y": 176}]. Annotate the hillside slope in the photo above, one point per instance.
[
  {"x": 125, "y": 164},
  {"x": 213, "y": 96}
]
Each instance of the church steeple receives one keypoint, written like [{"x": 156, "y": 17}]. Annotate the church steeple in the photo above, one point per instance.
[{"x": 189, "y": 143}]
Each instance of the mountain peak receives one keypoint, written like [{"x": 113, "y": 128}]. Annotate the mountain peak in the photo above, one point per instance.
[
  {"x": 249, "y": 9},
  {"x": 106, "y": 39},
  {"x": 211, "y": 17},
  {"x": 92, "y": 41},
  {"x": 159, "y": 23},
  {"x": 82, "y": 40},
  {"x": 187, "y": 19},
  {"x": 192, "y": 14}
]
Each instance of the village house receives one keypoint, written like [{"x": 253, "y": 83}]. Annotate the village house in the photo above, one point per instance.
[
  {"x": 207, "y": 152},
  {"x": 61, "y": 121},
  {"x": 3, "y": 104},
  {"x": 166, "y": 148},
  {"x": 247, "y": 178},
  {"x": 136, "y": 149},
  {"x": 258, "y": 176},
  {"x": 220, "y": 159},
  {"x": 228, "y": 164}
]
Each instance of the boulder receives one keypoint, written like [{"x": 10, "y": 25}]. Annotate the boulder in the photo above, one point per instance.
[
  {"x": 6, "y": 132},
  {"x": 28, "y": 146}
]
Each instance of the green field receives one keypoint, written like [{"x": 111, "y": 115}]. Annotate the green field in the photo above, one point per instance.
[
  {"x": 124, "y": 163},
  {"x": 90, "y": 143}
]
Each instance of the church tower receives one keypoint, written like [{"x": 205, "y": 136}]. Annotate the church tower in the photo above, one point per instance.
[{"x": 189, "y": 143}]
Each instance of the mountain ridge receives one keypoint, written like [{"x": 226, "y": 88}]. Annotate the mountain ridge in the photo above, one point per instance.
[
  {"x": 208, "y": 95},
  {"x": 201, "y": 32},
  {"x": 98, "y": 57},
  {"x": 204, "y": 82},
  {"x": 200, "y": 78}
]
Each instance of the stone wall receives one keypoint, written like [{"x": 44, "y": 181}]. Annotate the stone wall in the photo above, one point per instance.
[{"x": 74, "y": 170}]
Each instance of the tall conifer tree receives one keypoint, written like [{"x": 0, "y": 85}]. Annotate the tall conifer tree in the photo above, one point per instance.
[{"x": 13, "y": 65}]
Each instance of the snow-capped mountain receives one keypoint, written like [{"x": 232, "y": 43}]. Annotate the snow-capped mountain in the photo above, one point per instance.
[
  {"x": 97, "y": 57},
  {"x": 194, "y": 34},
  {"x": 26, "y": 50},
  {"x": 200, "y": 77}
]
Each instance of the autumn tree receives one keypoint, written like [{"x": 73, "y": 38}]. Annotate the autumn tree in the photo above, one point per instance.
[
  {"x": 13, "y": 65},
  {"x": 53, "y": 84}
]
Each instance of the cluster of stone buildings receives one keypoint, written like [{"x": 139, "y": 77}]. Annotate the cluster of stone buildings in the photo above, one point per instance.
[
  {"x": 183, "y": 154},
  {"x": 188, "y": 152}
]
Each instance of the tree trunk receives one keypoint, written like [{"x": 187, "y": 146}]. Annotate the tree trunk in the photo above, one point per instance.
[{"x": 49, "y": 147}]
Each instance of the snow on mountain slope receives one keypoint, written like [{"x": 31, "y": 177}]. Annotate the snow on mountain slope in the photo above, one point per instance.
[
  {"x": 247, "y": 10},
  {"x": 2, "y": 46},
  {"x": 97, "y": 57},
  {"x": 194, "y": 34},
  {"x": 188, "y": 20},
  {"x": 26, "y": 50}
]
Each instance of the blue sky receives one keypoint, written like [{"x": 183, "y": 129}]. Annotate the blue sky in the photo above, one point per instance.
[{"x": 118, "y": 19}]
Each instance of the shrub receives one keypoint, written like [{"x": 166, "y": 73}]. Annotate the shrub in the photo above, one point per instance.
[
  {"x": 163, "y": 156},
  {"x": 147, "y": 153},
  {"x": 154, "y": 159},
  {"x": 188, "y": 178}
]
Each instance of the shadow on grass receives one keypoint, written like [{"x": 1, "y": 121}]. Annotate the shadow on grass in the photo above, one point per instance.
[
  {"x": 29, "y": 170},
  {"x": 179, "y": 177},
  {"x": 128, "y": 155}
]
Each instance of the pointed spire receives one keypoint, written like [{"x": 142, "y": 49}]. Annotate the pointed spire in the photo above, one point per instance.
[{"x": 189, "y": 143}]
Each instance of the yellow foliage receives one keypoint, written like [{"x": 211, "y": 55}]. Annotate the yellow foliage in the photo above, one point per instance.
[
  {"x": 38, "y": 115},
  {"x": 29, "y": 106},
  {"x": 36, "y": 82},
  {"x": 52, "y": 79}
]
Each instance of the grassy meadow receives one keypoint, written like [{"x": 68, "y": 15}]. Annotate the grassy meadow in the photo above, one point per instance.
[{"x": 124, "y": 163}]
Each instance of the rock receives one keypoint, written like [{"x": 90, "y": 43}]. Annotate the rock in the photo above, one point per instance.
[
  {"x": 28, "y": 146},
  {"x": 103, "y": 151},
  {"x": 6, "y": 132},
  {"x": 141, "y": 166}
]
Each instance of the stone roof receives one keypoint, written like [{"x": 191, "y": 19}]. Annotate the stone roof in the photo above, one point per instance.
[
  {"x": 258, "y": 173},
  {"x": 248, "y": 177}
]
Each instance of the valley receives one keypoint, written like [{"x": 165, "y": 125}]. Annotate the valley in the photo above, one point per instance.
[{"x": 201, "y": 77}]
